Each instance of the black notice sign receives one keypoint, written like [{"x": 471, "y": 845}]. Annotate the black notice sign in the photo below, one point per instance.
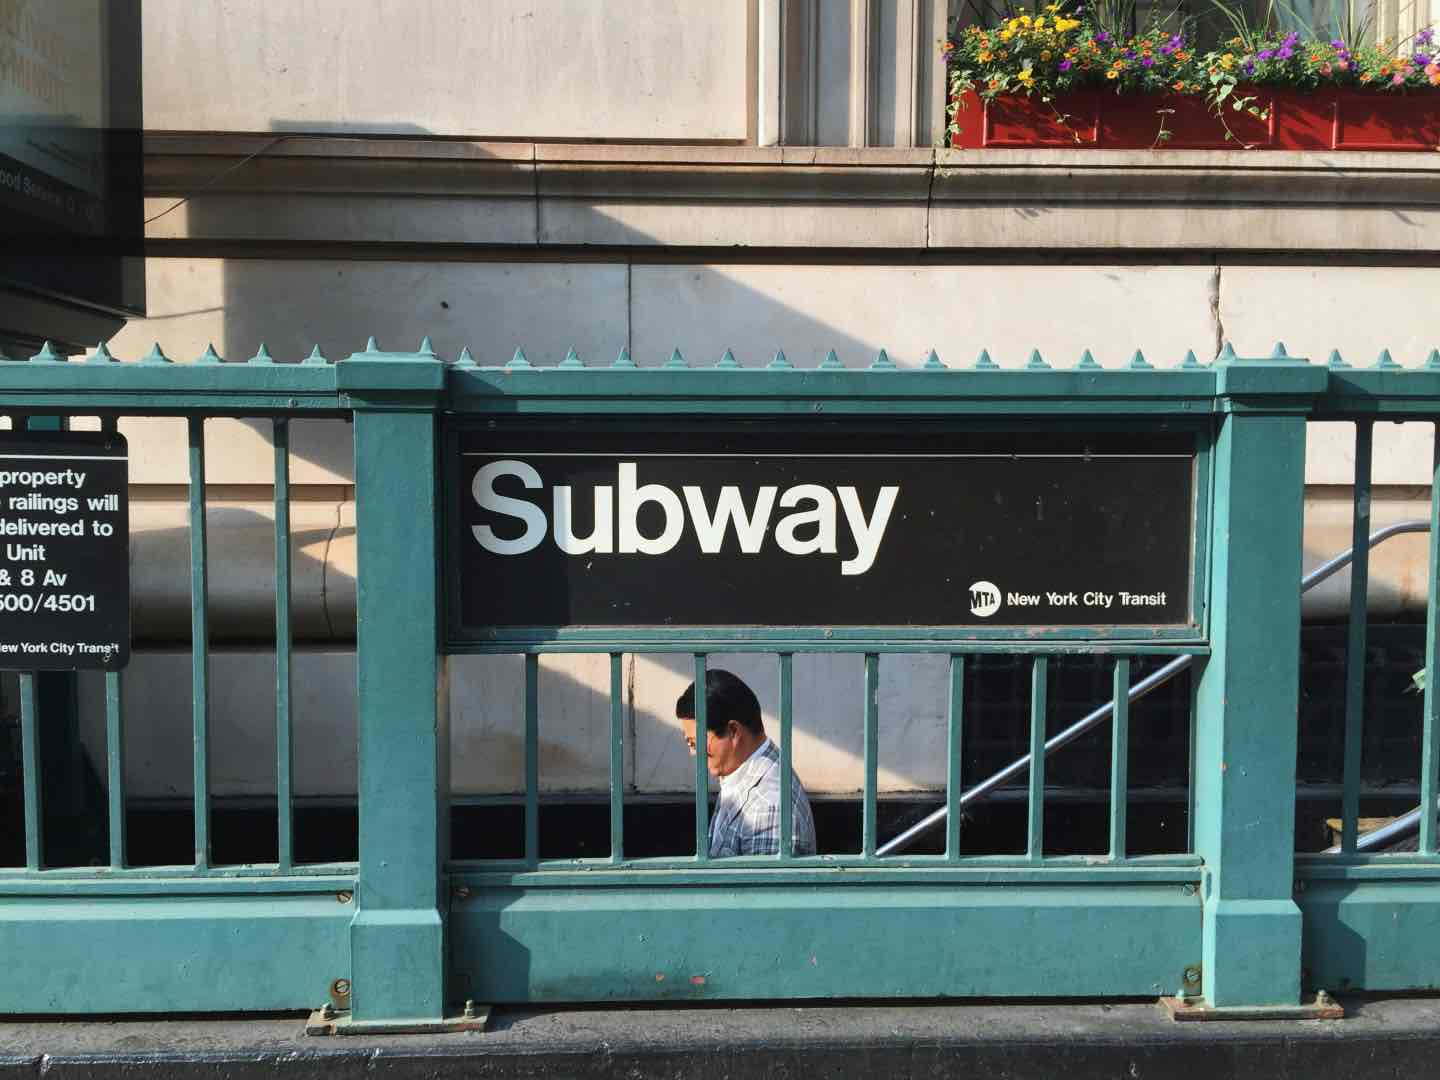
[
  {"x": 65, "y": 536},
  {"x": 768, "y": 529}
]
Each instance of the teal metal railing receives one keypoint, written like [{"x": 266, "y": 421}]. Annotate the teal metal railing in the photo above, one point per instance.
[
  {"x": 1222, "y": 920},
  {"x": 138, "y": 927}
]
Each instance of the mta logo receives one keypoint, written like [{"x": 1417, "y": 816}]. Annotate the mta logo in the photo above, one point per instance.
[{"x": 984, "y": 599}]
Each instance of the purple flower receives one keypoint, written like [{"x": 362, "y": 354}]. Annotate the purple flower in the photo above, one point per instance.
[
  {"x": 1423, "y": 59},
  {"x": 1285, "y": 53},
  {"x": 1102, "y": 37},
  {"x": 1129, "y": 54},
  {"x": 1264, "y": 54},
  {"x": 1291, "y": 39},
  {"x": 1249, "y": 67},
  {"x": 1425, "y": 37},
  {"x": 1066, "y": 65}
]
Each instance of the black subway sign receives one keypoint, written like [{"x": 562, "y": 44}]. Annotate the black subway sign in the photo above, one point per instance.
[
  {"x": 65, "y": 538},
  {"x": 571, "y": 529}
]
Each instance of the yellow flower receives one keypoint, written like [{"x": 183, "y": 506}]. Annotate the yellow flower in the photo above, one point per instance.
[
  {"x": 1027, "y": 77},
  {"x": 1006, "y": 34},
  {"x": 1024, "y": 20},
  {"x": 1040, "y": 22},
  {"x": 1052, "y": 7},
  {"x": 1013, "y": 25},
  {"x": 1064, "y": 25},
  {"x": 986, "y": 56},
  {"x": 1227, "y": 61},
  {"x": 1112, "y": 74}
]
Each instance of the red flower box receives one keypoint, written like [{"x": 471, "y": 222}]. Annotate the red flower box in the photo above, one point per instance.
[{"x": 1327, "y": 119}]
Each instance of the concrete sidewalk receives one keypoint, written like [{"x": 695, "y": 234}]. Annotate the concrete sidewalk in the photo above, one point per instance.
[{"x": 1380, "y": 1038}]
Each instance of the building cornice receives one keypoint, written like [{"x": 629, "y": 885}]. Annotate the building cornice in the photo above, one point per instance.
[{"x": 325, "y": 191}]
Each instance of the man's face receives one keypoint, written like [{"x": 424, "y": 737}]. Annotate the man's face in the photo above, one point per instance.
[{"x": 722, "y": 752}]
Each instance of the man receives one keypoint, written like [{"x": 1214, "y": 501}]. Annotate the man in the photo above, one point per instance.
[{"x": 746, "y": 820}]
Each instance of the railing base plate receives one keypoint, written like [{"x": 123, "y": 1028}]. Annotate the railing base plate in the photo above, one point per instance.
[
  {"x": 338, "y": 1022},
  {"x": 1323, "y": 1007}
]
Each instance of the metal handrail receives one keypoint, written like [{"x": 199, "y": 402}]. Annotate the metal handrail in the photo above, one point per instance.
[{"x": 1151, "y": 682}]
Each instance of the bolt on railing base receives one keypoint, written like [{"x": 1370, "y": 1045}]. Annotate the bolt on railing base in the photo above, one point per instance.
[
  {"x": 331, "y": 1021},
  {"x": 1188, "y": 1009}
]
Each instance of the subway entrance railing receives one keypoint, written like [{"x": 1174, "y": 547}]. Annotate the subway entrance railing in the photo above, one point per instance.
[{"x": 1227, "y": 914}]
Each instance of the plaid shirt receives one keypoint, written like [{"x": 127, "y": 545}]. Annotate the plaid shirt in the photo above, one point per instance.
[{"x": 747, "y": 814}]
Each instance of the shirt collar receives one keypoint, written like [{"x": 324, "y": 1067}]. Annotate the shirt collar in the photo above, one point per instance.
[{"x": 747, "y": 767}]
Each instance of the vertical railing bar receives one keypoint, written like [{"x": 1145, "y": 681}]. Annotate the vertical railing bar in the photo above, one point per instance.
[
  {"x": 284, "y": 747},
  {"x": 110, "y": 424},
  {"x": 532, "y": 759},
  {"x": 199, "y": 644},
  {"x": 30, "y": 763},
  {"x": 872, "y": 753},
  {"x": 617, "y": 760},
  {"x": 702, "y": 764},
  {"x": 1190, "y": 775},
  {"x": 115, "y": 766},
  {"x": 954, "y": 745},
  {"x": 1356, "y": 643},
  {"x": 787, "y": 781},
  {"x": 1120, "y": 757},
  {"x": 1430, "y": 740},
  {"x": 1035, "y": 844}
]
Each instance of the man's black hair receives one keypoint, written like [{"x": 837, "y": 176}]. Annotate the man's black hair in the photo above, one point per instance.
[{"x": 726, "y": 698}]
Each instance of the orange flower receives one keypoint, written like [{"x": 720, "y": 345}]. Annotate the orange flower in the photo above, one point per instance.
[{"x": 1179, "y": 86}]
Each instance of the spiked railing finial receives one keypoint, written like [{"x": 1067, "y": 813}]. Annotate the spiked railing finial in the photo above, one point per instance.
[{"x": 831, "y": 361}]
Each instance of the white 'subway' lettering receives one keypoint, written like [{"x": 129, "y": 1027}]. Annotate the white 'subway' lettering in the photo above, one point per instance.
[{"x": 811, "y": 526}]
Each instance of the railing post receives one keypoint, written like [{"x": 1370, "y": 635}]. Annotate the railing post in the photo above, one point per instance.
[
  {"x": 1249, "y": 688},
  {"x": 398, "y": 933}
]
